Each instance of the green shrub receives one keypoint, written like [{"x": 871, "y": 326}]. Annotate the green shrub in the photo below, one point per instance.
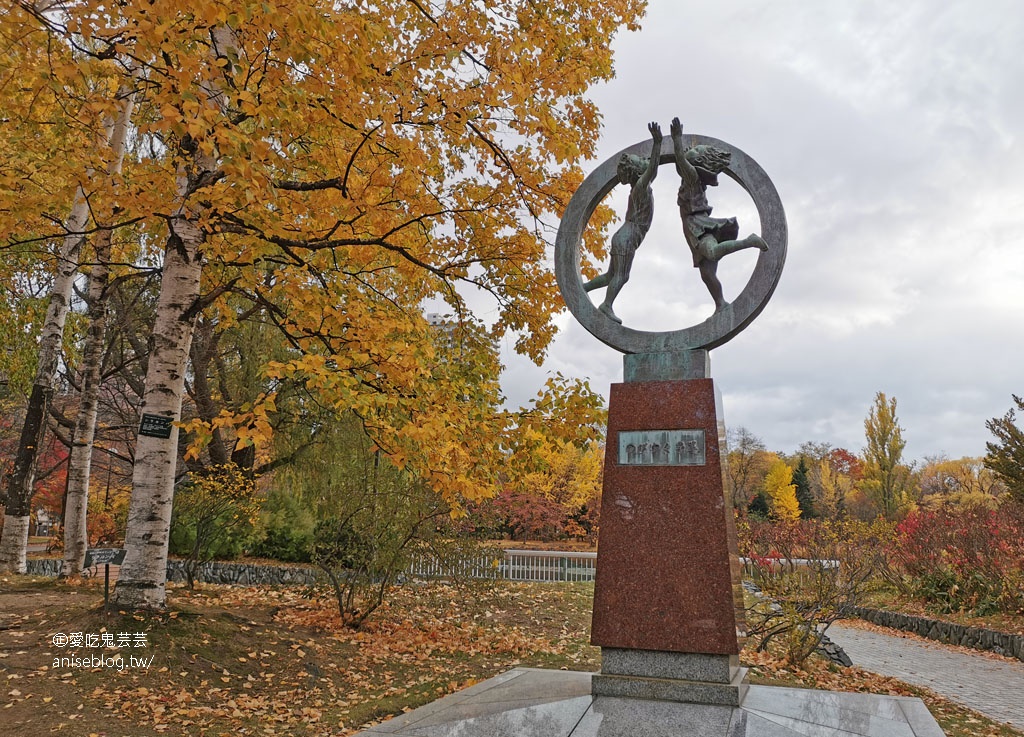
[
  {"x": 214, "y": 516},
  {"x": 286, "y": 529}
]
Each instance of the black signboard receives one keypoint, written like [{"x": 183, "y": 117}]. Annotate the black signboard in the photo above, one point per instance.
[
  {"x": 101, "y": 556},
  {"x": 155, "y": 426}
]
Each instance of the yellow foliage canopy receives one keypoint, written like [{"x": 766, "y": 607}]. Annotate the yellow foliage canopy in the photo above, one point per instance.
[
  {"x": 367, "y": 157},
  {"x": 781, "y": 491}
]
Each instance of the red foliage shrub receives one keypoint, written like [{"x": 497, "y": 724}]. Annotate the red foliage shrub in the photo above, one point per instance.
[
  {"x": 968, "y": 557},
  {"x": 517, "y": 515}
]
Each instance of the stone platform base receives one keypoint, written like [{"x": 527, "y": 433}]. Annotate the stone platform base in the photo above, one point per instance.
[
  {"x": 543, "y": 703},
  {"x": 695, "y": 678}
]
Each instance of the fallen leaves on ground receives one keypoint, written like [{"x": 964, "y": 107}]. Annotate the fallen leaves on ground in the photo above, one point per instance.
[{"x": 276, "y": 661}]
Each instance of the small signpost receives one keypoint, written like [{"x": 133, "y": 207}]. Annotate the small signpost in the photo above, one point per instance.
[
  {"x": 106, "y": 557},
  {"x": 155, "y": 426}
]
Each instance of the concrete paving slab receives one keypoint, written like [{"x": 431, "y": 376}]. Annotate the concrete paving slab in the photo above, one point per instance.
[{"x": 529, "y": 702}]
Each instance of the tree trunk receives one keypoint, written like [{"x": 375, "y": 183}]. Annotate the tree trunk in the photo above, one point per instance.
[
  {"x": 76, "y": 535},
  {"x": 21, "y": 482},
  {"x": 204, "y": 346},
  {"x": 141, "y": 582}
]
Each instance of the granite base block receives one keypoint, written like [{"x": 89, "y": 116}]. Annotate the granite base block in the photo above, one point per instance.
[
  {"x": 672, "y": 689},
  {"x": 540, "y": 703},
  {"x": 660, "y": 664},
  {"x": 667, "y": 571}
]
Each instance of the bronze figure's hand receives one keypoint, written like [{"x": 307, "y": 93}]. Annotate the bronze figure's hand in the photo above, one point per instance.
[
  {"x": 676, "y": 127},
  {"x": 655, "y": 130}
]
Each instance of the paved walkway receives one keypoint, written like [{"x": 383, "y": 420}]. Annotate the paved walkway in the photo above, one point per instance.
[{"x": 993, "y": 687}]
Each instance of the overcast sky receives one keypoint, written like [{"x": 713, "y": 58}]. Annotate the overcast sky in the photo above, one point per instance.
[{"x": 892, "y": 133}]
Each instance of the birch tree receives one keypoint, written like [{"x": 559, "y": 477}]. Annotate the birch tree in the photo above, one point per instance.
[
  {"x": 20, "y": 483},
  {"x": 76, "y": 537},
  {"x": 64, "y": 103}
]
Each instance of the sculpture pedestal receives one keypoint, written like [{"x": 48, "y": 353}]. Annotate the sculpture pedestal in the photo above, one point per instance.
[{"x": 668, "y": 606}]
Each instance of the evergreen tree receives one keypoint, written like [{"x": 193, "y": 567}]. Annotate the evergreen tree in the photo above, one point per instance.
[
  {"x": 758, "y": 506},
  {"x": 1006, "y": 457},
  {"x": 804, "y": 496}
]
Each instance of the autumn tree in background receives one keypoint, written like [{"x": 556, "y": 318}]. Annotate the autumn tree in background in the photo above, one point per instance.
[
  {"x": 746, "y": 466},
  {"x": 781, "y": 492},
  {"x": 887, "y": 480},
  {"x": 960, "y": 482},
  {"x": 559, "y": 499},
  {"x": 1006, "y": 456},
  {"x": 335, "y": 166},
  {"x": 553, "y": 455},
  {"x": 830, "y": 488}
]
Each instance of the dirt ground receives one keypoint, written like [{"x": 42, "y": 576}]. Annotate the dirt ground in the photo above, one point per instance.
[{"x": 35, "y": 697}]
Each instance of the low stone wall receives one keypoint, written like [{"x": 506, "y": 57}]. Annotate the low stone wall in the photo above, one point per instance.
[
  {"x": 978, "y": 638},
  {"x": 244, "y": 574},
  {"x": 43, "y": 566},
  {"x": 220, "y": 573}
]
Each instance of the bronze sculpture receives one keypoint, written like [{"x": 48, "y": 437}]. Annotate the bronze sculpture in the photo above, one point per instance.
[
  {"x": 709, "y": 238},
  {"x": 729, "y": 318},
  {"x": 638, "y": 173}
]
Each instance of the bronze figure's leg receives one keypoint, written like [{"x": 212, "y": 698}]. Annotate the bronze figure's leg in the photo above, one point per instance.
[
  {"x": 619, "y": 275},
  {"x": 597, "y": 282},
  {"x": 708, "y": 268},
  {"x": 718, "y": 250}
]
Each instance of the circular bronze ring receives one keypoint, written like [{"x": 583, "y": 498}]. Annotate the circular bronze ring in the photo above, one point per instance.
[{"x": 721, "y": 326}]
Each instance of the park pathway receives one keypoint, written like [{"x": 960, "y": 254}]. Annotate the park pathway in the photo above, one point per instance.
[{"x": 994, "y": 687}]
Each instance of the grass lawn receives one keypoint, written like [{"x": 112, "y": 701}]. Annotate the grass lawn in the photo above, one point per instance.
[{"x": 261, "y": 661}]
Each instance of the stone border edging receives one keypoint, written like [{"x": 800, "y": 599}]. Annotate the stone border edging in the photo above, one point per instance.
[
  {"x": 977, "y": 638},
  {"x": 243, "y": 574}
]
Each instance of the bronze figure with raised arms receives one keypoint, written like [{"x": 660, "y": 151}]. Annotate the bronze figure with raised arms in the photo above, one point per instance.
[
  {"x": 638, "y": 173},
  {"x": 709, "y": 238}
]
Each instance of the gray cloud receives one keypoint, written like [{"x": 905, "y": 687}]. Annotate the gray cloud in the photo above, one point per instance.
[{"x": 891, "y": 131}]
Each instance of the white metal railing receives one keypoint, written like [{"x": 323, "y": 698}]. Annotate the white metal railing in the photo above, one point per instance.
[
  {"x": 548, "y": 565},
  {"x": 771, "y": 568},
  {"x": 512, "y": 565},
  {"x": 558, "y": 565},
  {"x": 479, "y": 565}
]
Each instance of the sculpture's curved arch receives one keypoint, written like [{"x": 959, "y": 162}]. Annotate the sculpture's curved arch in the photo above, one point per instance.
[{"x": 721, "y": 326}]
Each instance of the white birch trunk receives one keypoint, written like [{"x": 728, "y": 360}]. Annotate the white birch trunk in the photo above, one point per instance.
[
  {"x": 141, "y": 581},
  {"x": 21, "y": 481},
  {"x": 76, "y": 535},
  {"x": 16, "y": 529}
]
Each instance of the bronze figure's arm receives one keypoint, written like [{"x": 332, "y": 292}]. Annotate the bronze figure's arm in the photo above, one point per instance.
[
  {"x": 652, "y": 163},
  {"x": 683, "y": 167}
]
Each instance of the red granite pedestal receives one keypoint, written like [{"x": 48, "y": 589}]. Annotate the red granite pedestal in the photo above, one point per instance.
[{"x": 667, "y": 600}]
